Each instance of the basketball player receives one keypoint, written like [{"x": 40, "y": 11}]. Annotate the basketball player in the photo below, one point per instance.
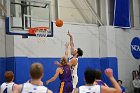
[
  {"x": 35, "y": 85},
  {"x": 64, "y": 74},
  {"x": 90, "y": 88},
  {"x": 98, "y": 80},
  {"x": 122, "y": 87},
  {"x": 8, "y": 86},
  {"x": 73, "y": 62}
]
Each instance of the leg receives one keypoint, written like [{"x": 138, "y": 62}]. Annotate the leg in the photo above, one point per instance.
[
  {"x": 68, "y": 88},
  {"x": 136, "y": 90},
  {"x": 61, "y": 87},
  {"x": 75, "y": 81}
]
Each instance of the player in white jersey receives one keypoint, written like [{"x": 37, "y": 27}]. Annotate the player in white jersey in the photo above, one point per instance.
[
  {"x": 74, "y": 72},
  {"x": 35, "y": 85},
  {"x": 74, "y": 60},
  {"x": 7, "y": 87},
  {"x": 32, "y": 88},
  {"x": 90, "y": 88}
]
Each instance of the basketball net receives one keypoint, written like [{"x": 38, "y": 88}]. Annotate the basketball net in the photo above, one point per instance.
[{"x": 40, "y": 32}]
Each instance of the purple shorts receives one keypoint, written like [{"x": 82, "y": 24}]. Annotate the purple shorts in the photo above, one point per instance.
[{"x": 66, "y": 87}]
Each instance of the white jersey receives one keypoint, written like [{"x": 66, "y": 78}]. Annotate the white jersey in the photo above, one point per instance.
[
  {"x": 30, "y": 88},
  {"x": 74, "y": 74},
  {"x": 90, "y": 89},
  {"x": 74, "y": 69},
  {"x": 7, "y": 87}
]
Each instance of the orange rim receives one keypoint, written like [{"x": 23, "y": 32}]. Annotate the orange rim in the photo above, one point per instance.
[{"x": 35, "y": 29}]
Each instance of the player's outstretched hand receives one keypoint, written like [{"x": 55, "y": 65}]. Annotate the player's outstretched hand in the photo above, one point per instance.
[
  {"x": 47, "y": 82},
  {"x": 56, "y": 62},
  {"x": 67, "y": 44},
  {"x": 109, "y": 72},
  {"x": 69, "y": 34}
]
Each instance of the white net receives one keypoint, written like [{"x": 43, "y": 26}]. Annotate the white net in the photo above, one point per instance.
[{"x": 41, "y": 35}]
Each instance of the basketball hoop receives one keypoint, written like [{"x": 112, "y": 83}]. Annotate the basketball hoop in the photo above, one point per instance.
[{"x": 40, "y": 32}]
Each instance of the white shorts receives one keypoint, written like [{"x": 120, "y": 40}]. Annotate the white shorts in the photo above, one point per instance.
[{"x": 74, "y": 81}]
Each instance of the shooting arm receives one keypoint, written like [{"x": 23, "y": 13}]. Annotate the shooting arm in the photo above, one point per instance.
[{"x": 72, "y": 45}]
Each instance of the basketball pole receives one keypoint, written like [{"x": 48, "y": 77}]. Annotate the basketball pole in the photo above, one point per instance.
[{"x": 57, "y": 9}]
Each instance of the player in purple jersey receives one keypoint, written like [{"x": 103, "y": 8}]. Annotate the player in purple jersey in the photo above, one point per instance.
[{"x": 64, "y": 74}]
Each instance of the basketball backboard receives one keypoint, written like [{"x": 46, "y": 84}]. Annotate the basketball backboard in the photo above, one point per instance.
[{"x": 25, "y": 14}]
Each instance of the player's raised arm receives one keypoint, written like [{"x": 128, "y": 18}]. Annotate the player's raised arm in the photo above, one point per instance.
[
  {"x": 66, "y": 54},
  {"x": 66, "y": 51},
  {"x": 71, "y": 43},
  {"x": 116, "y": 89}
]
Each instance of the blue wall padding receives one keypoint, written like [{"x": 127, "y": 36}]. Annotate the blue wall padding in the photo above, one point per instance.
[
  {"x": 83, "y": 63},
  {"x": 2, "y": 69},
  {"x": 10, "y": 64},
  {"x": 20, "y": 66},
  {"x": 110, "y": 62}
]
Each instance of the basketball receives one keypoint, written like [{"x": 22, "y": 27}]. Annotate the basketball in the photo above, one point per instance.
[{"x": 59, "y": 23}]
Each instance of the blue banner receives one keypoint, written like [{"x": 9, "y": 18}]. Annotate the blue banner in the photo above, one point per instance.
[{"x": 122, "y": 13}]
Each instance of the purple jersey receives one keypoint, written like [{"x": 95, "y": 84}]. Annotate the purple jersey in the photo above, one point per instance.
[
  {"x": 100, "y": 82},
  {"x": 66, "y": 80},
  {"x": 66, "y": 75}
]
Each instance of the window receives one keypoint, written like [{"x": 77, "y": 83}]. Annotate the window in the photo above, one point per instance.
[
  {"x": 135, "y": 13},
  {"x": 3, "y": 6}
]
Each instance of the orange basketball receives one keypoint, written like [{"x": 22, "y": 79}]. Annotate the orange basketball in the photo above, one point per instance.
[{"x": 59, "y": 23}]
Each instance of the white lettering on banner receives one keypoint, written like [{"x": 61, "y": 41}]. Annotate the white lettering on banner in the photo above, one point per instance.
[{"x": 135, "y": 47}]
